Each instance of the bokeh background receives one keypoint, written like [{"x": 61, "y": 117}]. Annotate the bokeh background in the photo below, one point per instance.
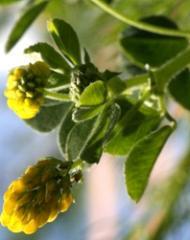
[{"x": 103, "y": 210}]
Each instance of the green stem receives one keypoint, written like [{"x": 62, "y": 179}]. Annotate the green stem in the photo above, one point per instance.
[
  {"x": 163, "y": 74},
  {"x": 137, "y": 80},
  {"x": 140, "y": 25},
  {"x": 59, "y": 88},
  {"x": 56, "y": 96},
  {"x": 169, "y": 70}
]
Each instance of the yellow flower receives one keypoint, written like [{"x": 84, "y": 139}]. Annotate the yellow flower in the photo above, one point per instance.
[
  {"x": 22, "y": 92},
  {"x": 37, "y": 197}
]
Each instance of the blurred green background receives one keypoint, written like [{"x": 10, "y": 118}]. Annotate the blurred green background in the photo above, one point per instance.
[{"x": 101, "y": 201}]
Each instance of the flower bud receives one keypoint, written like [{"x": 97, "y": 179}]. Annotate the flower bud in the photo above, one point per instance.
[
  {"x": 37, "y": 197},
  {"x": 23, "y": 89},
  {"x": 81, "y": 77}
]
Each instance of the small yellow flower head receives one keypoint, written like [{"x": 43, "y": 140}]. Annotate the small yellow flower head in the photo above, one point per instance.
[
  {"x": 22, "y": 92},
  {"x": 37, "y": 197}
]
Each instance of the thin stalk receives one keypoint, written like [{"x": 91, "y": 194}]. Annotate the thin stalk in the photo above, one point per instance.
[
  {"x": 56, "y": 96},
  {"x": 137, "y": 80},
  {"x": 59, "y": 88},
  {"x": 140, "y": 25}
]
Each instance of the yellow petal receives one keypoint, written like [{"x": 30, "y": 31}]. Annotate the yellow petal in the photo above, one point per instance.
[
  {"x": 11, "y": 222},
  {"x": 5, "y": 218},
  {"x": 66, "y": 202},
  {"x": 53, "y": 212},
  {"x": 9, "y": 206},
  {"x": 31, "y": 227},
  {"x": 18, "y": 72}
]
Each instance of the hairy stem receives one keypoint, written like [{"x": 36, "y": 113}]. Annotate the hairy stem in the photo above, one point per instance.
[{"x": 140, "y": 25}]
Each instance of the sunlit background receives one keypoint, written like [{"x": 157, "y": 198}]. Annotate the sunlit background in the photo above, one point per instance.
[{"x": 103, "y": 210}]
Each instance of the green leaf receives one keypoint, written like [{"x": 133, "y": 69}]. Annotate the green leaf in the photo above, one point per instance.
[
  {"x": 78, "y": 138},
  {"x": 142, "y": 47},
  {"x": 3, "y": 2},
  {"x": 94, "y": 94},
  {"x": 141, "y": 160},
  {"x": 85, "y": 140},
  {"x": 49, "y": 55},
  {"x": 85, "y": 113},
  {"x": 65, "y": 127},
  {"x": 133, "y": 126},
  {"x": 57, "y": 81},
  {"x": 95, "y": 147},
  {"x": 179, "y": 88},
  {"x": 49, "y": 117},
  {"x": 86, "y": 57},
  {"x": 107, "y": 75},
  {"x": 24, "y": 22},
  {"x": 66, "y": 39},
  {"x": 116, "y": 85}
]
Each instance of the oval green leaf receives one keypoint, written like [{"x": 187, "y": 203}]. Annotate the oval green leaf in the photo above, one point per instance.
[
  {"x": 49, "y": 55},
  {"x": 49, "y": 117},
  {"x": 134, "y": 124},
  {"x": 66, "y": 39},
  {"x": 179, "y": 88},
  {"x": 142, "y": 47},
  {"x": 94, "y": 94},
  {"x": 141, "y": 160},
  {"x": 24, "y": 22},
  {"x": 86, "y": 139}
]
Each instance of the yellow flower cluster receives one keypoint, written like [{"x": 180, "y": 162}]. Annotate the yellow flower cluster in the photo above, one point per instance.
[
  {"x": 37, "y": 197},
  {"x": 22, "y": 92}
]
